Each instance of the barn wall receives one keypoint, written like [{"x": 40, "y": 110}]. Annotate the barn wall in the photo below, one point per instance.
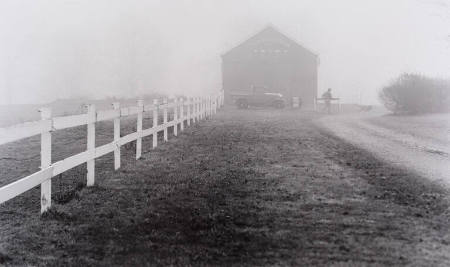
[
  {"x": 289, "y": 77},
  {"x": 283, "y": 67}
]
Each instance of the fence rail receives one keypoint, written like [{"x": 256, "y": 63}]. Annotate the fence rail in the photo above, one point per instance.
[
  {"x": 323, "y": 101},
  {"x": 196, "y": 110}
]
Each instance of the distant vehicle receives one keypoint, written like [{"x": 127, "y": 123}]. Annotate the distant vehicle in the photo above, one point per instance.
[{"x": 258, "y": 99}]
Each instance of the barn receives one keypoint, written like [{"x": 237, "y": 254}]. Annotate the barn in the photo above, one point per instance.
[{"x": 272, "y": 62}]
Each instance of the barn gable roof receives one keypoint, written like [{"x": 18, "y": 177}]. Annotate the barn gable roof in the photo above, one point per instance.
[{"x": 272, "y": 30}]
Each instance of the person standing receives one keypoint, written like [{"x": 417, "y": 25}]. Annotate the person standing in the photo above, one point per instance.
[{"x": 327, "y": 99}]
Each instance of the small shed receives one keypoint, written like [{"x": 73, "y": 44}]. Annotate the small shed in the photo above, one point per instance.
[{"x": 273, "y": 62}]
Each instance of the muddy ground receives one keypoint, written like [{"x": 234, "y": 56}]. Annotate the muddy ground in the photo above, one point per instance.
[{"x": 250, "y": 187}]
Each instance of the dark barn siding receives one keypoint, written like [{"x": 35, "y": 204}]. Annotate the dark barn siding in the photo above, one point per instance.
[{"x": 271, "y": 59}]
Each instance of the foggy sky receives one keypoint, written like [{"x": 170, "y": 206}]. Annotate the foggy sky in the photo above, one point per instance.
[{"x": 99, "y": 48}]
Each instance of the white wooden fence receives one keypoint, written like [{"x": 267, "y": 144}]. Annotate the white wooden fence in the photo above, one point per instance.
[{"x": 196, "y": 110}]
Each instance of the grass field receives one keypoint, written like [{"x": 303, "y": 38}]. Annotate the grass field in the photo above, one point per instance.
[{"x": 249, "y": 187}]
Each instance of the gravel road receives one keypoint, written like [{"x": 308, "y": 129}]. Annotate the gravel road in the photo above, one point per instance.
[{"x": 417, "y": 143}]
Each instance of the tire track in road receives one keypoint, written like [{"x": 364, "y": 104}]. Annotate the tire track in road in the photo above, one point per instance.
[{"x": 413, "y": 142}]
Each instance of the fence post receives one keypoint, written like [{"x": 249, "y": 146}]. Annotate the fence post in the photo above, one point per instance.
[
  {"x": 140, "y": 104},
  {"x": 201, "y": 108},
  {"x": 209, "y": 106},
  {"x": 155, "y": 122},
  {"x": 165, "y": 120},
  {"x": 182, "y": 114},
  {"x": 46, "y": 161},
  {"x": 188, "y": 112},
  {"x": 175, "y": 117},
  {"x": 204, "y": 108},
  {"x": 91, "y": 145},
  {"x": 195, "y": 109},
  {"x": 116, "y": 106}
]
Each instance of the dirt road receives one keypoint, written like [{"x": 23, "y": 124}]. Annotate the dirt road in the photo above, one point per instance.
[
  {"x": 250, "y": 187},
  {"x": 420, "y": 143}
]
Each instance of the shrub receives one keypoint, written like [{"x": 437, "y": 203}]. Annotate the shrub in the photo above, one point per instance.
[{"x": 416, "y": 94}]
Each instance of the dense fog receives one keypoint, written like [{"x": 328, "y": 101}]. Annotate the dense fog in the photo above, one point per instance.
[{"x": 61, "y": 49}]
